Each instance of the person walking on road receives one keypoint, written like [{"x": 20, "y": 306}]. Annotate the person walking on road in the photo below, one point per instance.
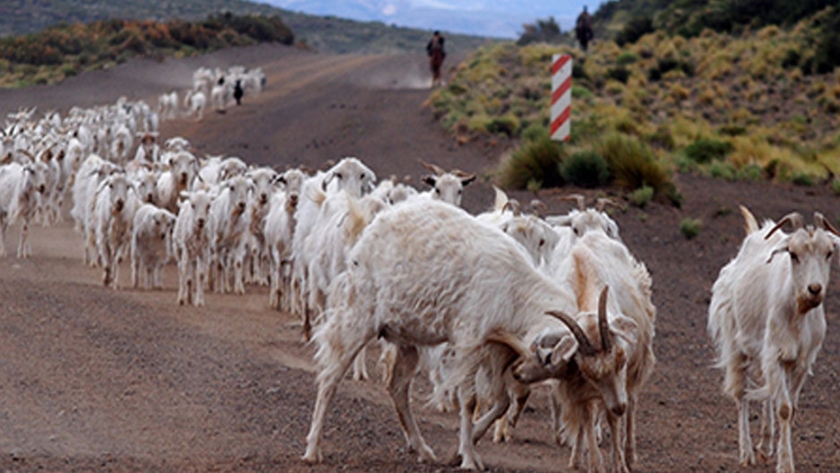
[
  {"x": 436, "y": 56},
  {"x": 583, "y": 29}
]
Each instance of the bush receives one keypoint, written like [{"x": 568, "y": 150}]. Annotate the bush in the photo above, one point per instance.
[
  {"x": 802, "y": 179},
  {"x": 536, "y": 162},
  {"x": 632, "y": 163},
  {"x": 707, "y": 150},
  {"x": 534, "y": 133},
  {"x": 634, "y": 29},
  {"x": 751, "y": 172},
  {"x": 620, "y": 74},
  {"x": 585, "y": 169},
  {"x": 835, "y": 186},
  {"x": 626, "y": 58},
  {"x": 641, "y": 196},
  {"x": 690, "y": 227},
  {"x": 506, "y": 124}
]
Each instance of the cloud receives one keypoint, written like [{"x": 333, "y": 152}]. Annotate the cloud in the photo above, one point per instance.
[{"x": 389, "y": 10}]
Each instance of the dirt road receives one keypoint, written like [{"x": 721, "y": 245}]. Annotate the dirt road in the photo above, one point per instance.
[{"x": 92, "y": 379}]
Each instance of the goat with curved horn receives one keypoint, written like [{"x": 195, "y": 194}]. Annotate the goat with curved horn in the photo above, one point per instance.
[
  {"x": 439, "y": 171},
  {"x": 603, "y": 324},
  {"x": 794, "y": 218},
  {"x": 537, "y": 206},
  {"x": 586, "y": 346},
  {"x": 580, "y": 199},
  {"x": 603, "y": 202},
  {"x": 823, "y": 223}
]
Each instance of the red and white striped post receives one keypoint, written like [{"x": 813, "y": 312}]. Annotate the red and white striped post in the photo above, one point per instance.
[{"x": 561, "y": 97}]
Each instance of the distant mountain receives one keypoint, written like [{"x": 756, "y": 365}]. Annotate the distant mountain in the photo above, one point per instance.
[
  {"x": 500, "y": 18},
  {"x": 333, "y": 35}
]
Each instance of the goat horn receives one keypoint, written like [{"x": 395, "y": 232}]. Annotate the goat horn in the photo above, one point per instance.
[
  {"x": 431, "y": 167},
  {"x": 794, "y": 218},
  {"x": 585, "y": 345},
  {"x": 604, "y": 202},
  {"x": 603, "y": 324},
  {"x": 537, "y": 205},
  {"x": 513, "y": 206},
  {"x": 581, "y": 200},
  {"x": 460, "y": 174},
  {"x": 825, "y": 224}
]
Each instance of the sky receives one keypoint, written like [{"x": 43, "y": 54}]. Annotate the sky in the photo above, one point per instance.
[{"x": 496, "y": 18}]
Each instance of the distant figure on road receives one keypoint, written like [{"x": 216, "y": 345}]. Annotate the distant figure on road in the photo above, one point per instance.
[
  {"x": 238, "y": 92},
  {"x": 436, "y": 56},
  {"x": 583, "y": 29}
]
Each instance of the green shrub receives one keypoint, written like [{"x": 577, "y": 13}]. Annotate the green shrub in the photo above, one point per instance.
[
  {"x": 585, "y": 169},
  {"x": 620, "y": 74},
  {"x": 626, "y": 58},
  {"x": 835, "y": 186},
  {"x": 506, "y": 124},
  {"x": 720, "y": 170},
  {"x": 732, "y": 130},
  {"x": 707, "y": 150},
  {"x": 751, "y": 172},
  {"x": 634, "y": 29},
  {"x": 535, "y": 162},
  {"x": 690, "y": 227},
  {"x": 632, "y": 163},
  {"x": 802, "y": 179},
  {"x": 641, "y": 196},
  {"x": 534, "y": 132},
  {"x": 662, "y": 138}
]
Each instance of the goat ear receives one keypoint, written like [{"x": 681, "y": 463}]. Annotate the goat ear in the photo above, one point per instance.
[
  {"x": 782, "y": 247},
  {"x": 625, "y": 328},
  {"x": 564, "y": 350},
  {"x": 468, "y": 179},
  {"x": 430, "y": 180}
]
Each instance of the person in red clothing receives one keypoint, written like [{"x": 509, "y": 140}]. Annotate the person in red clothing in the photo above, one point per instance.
[{"x": 436, "y": 56}]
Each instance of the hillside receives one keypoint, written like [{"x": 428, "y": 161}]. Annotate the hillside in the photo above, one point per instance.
[
  {"x": 689, "y": 17},
  {"x": 64, "y": 50},
  {"x": 758, "y": 105},
  {"x": 328, "y": 34}
]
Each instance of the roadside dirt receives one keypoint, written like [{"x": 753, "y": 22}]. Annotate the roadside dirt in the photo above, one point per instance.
[{"x": 93, "y": 379}]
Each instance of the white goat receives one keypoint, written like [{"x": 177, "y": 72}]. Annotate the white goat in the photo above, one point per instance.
[
  {"x": 767, "y": 319},
  {"x": 620, "y": 358},
  {"x": 424, "y": 273},
  {"x": 229, "y": 224},
  {"x": 183, "y": 167},
  {"x": 446, "y": 186},
  {"x": 348, "y": 175},
  {"x": 91, "y": 173},
  {"x": 279, "y": 231},
  {"x": 112, "y": 214},
  {"x": 195, "y": 102},
  {"x": 191, "y": 241},
  {"x": 151, "y": 245},
  {"x": 21, "y": 188}
]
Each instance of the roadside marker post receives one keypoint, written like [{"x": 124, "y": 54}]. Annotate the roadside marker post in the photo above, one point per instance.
[{"x": 561, "y": 97}]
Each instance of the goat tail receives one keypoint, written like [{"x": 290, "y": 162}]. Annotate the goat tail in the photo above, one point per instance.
[{"x": 750, "y": 223}]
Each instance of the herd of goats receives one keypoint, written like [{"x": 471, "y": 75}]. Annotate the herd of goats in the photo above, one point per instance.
[{"x": 488, "y": 305}]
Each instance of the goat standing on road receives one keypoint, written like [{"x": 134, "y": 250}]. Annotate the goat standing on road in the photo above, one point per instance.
[{"x": 767, "y": 318}]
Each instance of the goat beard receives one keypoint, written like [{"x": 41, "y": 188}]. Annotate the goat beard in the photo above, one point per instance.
[{"x": 806, "y": 304}]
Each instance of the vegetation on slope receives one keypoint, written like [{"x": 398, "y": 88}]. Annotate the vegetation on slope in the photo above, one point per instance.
[
  {"x": 749, "y": 106},
  {"x": 67, "y": 50},
  {"x": 325, "y": 34}
]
